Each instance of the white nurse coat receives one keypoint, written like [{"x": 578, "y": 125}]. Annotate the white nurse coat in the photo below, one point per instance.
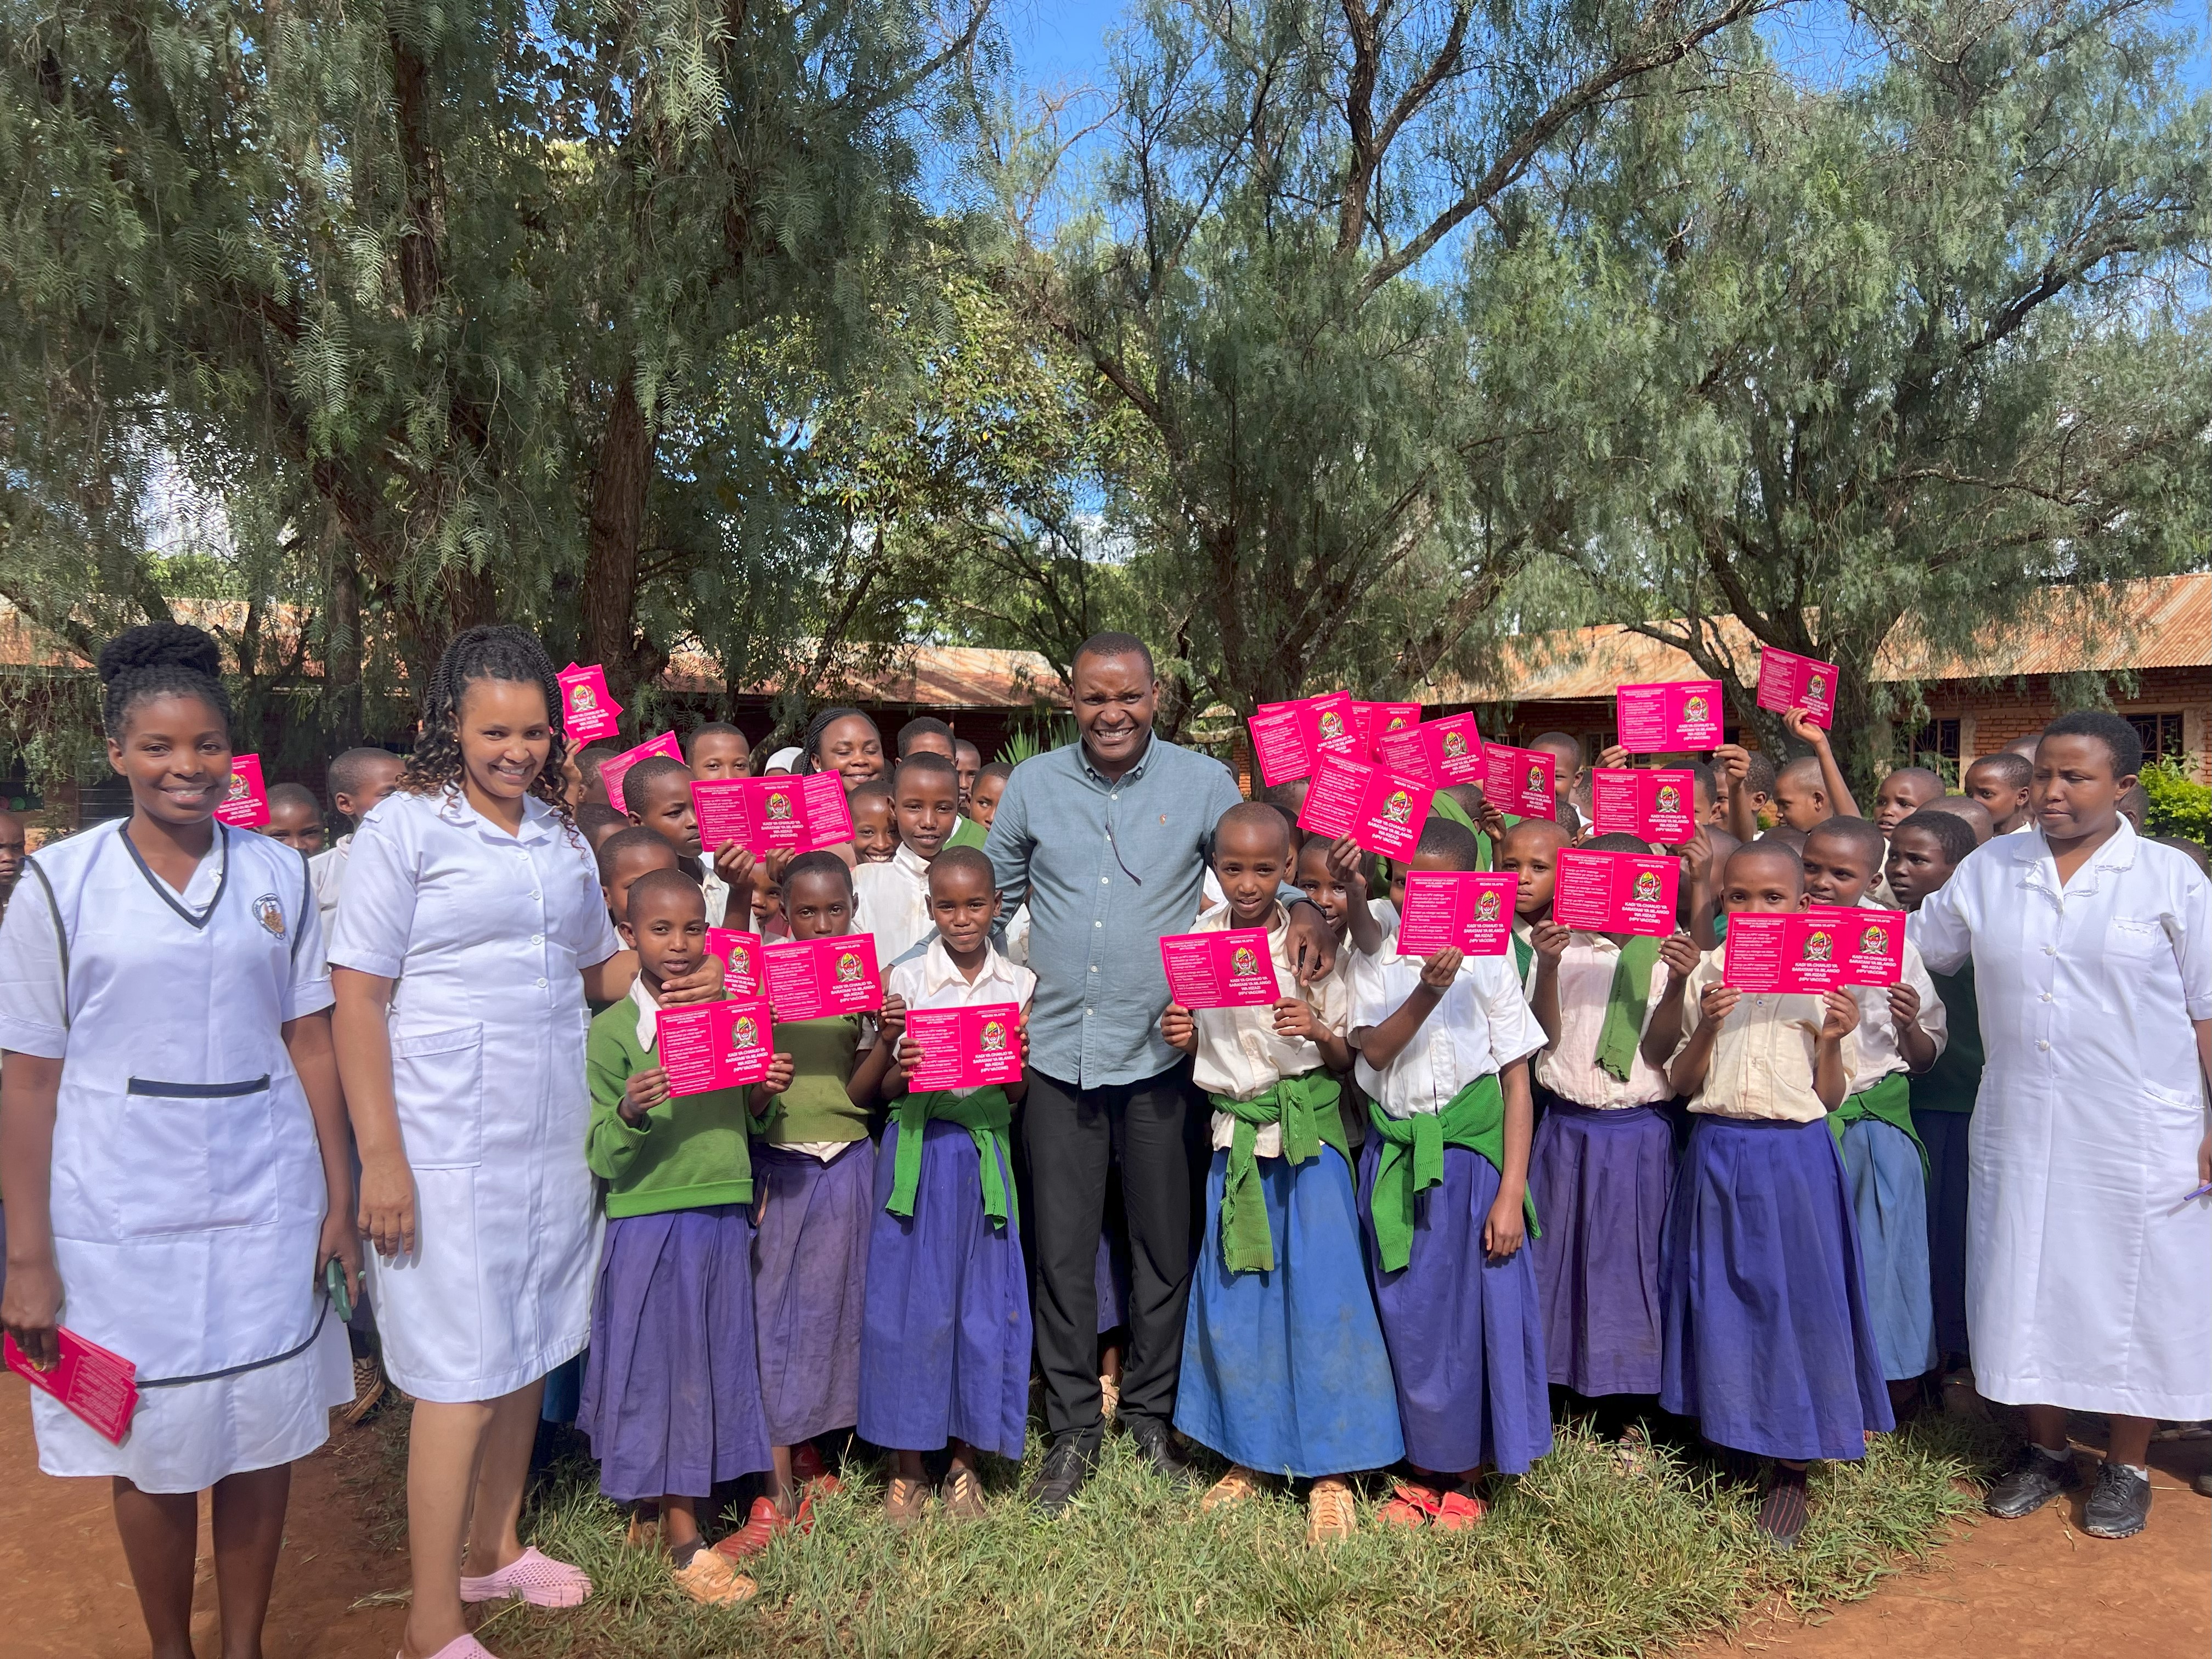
[
  {"x": 2088, "y": 1277},
  {"x": 187, "y": 1179},
  {"x": 486, "y": 934}
]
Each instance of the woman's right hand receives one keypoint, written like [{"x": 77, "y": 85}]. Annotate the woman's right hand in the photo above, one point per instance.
[
  {"x": 32, "y": 1310},
  {"x": 387, "y": 1206}
]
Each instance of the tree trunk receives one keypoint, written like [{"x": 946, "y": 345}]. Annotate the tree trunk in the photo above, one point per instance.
[
  {"x": 619, "y": 482},
  {"x": 342, "y": 656}
]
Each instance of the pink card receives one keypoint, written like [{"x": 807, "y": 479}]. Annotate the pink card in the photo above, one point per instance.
[
  {"x": 1788, "y": 681},
  {"x": 1616, "y": 892},
  {"x": 741, "y": 959},
  {"x": 1470, "y": 913},
  {"x": 1288, "y": 736},
  {"x": 715, "y": 1045},
  {"x": 246, "y": 805},
  {"x": 97, "y": 1386},
  {"x": 1232, "y": 968},
  {"x": 1440, "y": 753},
  {"x": 1785, "y": 953},
  {"x": 1373, "y": 722},
  {"x": 1658, "y": 803},
  {"x": 1380, "y": 811},
  {"x": 613, "y": 772},
  {"x": 1519, "y": 780},
  {"x": 1870, "y": 943},
  {"x": 1680, "y": 714},
  {"x": 966, "y": 1048},
  {"x": 821, "y": 978},
  {"x": 588, "y": 707},
  {"x": 773, "y": 814}
]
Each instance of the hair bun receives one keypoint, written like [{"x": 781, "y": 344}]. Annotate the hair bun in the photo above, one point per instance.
[{"x": 161, "y": 642}]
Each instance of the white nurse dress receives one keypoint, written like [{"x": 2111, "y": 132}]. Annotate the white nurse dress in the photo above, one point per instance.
[
  {"x": 2089, "y": 1271},
  {"x": 187, "y": 1182},
  {"x": 486, "y": 934}
]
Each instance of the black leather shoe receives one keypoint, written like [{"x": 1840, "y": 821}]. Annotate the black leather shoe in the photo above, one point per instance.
[
  {"x": 1068, "y": 1463},
  {"x": 2119, "y": 1505},
  {"x": 1155, "y": 1445},
  {"x": 2032, "y": 1480}
]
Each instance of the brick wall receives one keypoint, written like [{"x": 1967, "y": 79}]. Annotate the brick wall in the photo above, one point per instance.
[{"x": 1992, "y": 717}]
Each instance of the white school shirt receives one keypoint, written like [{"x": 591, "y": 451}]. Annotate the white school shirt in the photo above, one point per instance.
[
  {"x": 1569, "y": 1067},
  {"x": 894, "y": 902},
  {"x": 1878, "y": 1052},
  {"x": 2089, "y": 1278},
  {"x": 715, "y": 892},
  {"x": 1765, "y": 1054},
  {"x": 1237, "y": 1052},
  {"x": 928, "y": 979},
  {"x": 326, "y": 870},
  {"x": 486, "y": 934},
  {"x": 1482, "y": 1023}
]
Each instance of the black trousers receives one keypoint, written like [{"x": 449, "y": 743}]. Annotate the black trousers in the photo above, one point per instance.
[
  {"x": 1072, "y": 1139},
  {"x": 1944, "y": 1135}
]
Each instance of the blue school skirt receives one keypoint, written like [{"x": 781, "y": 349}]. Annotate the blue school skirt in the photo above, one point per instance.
[{"x": 1889, "y": 1198}]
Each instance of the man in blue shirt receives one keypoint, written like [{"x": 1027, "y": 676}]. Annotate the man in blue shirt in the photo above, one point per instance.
[{"x": 1107, "y": 840}]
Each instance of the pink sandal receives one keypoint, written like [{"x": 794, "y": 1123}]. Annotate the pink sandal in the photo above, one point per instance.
[
  {"x": 537, "y": 1579},
  {"x": 461, "y": 1647}
]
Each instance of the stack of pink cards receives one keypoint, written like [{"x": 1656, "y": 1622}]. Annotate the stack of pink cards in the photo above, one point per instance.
[
  {"x": 245, "y": 805},
  {"x": 1373, "y": 722},
  {"x": 98, "y": 1387},
  {"x": 821, "y": 978},
  {"x": 1288, "y": 737},
  {"x": 1813, "y": 949},
  {"x": 1470, "y": 913},
  {"x": 588, "y": 707},
  {"x": 1659, "y": 804},
  {"x": 966, "y": 1048},
  {"x": 1440, "y": 753},
  {"x": 1380, "y": 811},
  {"x": 773, "y": 814},
  {"x": 1616, "y": 892},
  {"x": 1232, "y": 968},
  {"x": 1788, "y": 681},
  {"x": 1670, "y": 718},
  {"x": 613, "y": 772},
  {"x": 1519, "y": 780},
  {"x": 741, "y": 959},
  {"x": 716, "y": 1045}
]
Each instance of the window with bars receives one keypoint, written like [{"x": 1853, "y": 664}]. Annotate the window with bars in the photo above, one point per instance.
[
  {"x": 1939, "y": 738},
  {"x": 2161, "y": 734}
]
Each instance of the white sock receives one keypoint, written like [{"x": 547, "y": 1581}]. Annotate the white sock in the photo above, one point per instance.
[{"x": 2136, "y": 1470}]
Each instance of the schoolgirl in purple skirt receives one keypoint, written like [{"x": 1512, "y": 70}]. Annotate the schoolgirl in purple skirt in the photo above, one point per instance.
[{"x": 672, "y": 1397}]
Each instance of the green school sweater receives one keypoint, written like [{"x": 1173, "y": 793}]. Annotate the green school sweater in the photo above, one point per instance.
[
  {"x": 690, "y": 1151},
  {"x": 1951, "y": 1083},
  {"x": 966, "y": 832},
  {"x": 816, "y": 1109}
]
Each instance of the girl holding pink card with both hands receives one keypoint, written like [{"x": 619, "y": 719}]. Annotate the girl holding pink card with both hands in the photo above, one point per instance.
[{"x": 173, "y": 1151}]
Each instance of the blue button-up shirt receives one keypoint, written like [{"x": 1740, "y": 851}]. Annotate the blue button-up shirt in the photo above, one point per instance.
[{"x": 1107, "y": 866}]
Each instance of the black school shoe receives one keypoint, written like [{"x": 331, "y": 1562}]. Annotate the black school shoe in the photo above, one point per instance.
[
  {"x": 1068, "y": 1464},
  {"x": 1155, "y": 1445},
  {"x": 2119, "y": 1505},
  {"x": 2032, "y": 1480}
]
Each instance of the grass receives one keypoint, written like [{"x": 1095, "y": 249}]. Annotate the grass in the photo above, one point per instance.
[{"x": 1579, "y": 1558}]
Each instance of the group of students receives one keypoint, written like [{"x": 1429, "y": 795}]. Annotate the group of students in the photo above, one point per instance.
[{"x": 1442, "y": 1196}]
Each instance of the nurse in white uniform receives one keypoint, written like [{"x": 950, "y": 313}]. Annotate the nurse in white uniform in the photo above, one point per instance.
[
  {"x": 2088, "y": 1260},
  {"x": 173, "y": 1151},
  {"x": 470, "y": 932}
]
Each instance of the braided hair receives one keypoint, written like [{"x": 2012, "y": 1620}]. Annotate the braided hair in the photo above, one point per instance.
[
  {"x": 810, "y": 746},
  {"x": 498, "y": 652},
  {"x": 160, "y": 660}
]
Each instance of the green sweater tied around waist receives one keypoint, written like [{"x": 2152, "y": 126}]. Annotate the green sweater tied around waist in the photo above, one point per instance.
[
  {"x": 1889, "y": 1100},
  {"x": 1413, "y": 1160},
  {"x": 1306, "y": 1108},
  {"x": 986, "y": 1114}
]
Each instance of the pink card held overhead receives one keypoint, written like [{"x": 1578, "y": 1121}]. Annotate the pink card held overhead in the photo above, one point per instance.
[
  {"x": 1373, "y": 722},
  {"x": 1788, "y": 681},
  {"x": 1616, "y": 892},
  {"x": 1287, "y": 738},
  {"x": 588, "y": 707},
  {"x": 101, "y": 1388},
  {"x": 715, "y": 1045},
  {"x": 1440, "y": 753},
  {"x": 1232, "y": 968},
  {"x": 741, "y": 960},
  {"x": 1380, "y": 811},
  {"x": 1657, "y": 804},
  {"x": 1470, "y": 913},
  {"x": 966, "y": 1048},
  {"x": 823, "y": 978},
  {"x": 773, "y": 814},
  {"x": 244, "y": 804},
  {"x": 613, "y": 772},
  {"x": 1519, "y": 780},
  {"x": 1678, "y": 715}
]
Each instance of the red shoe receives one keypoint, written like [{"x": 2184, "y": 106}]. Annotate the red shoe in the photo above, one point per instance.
[
  {"x": 808, "y": 1469},
  {"x": 762, "y": 1526},
  {"x": 1460, "y": 1512},
  {"x": 1410, "y": 1505}
]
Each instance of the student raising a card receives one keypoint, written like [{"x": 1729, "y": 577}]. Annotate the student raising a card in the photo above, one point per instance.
[
  {"x": 1288, "y": 738},
  {"x": 1519, "y": 780},
  {"x": 1681, "y": 717},
  {"x": 612, "y": 771},
  {"x": 1380, "y": 811},
  {"x": 780, "y": 814}
]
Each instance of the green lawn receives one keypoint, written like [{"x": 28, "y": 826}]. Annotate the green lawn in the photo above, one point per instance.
[{"x": 1579, "y": 1557}]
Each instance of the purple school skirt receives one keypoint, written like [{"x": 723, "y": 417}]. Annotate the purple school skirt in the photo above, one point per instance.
[
  {"x": 1768, "y": 1343},
  {"x": 671, "y": 1392},
  {"x": 944, "y": 1352},
  {"x": 1599, "y": 1180},
  {"x": 810, "y": 1287},
  {"x": 1465, "y": 1333}
]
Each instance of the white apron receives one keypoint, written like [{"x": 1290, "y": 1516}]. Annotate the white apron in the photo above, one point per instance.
[{"x": 188, "y": 1185}]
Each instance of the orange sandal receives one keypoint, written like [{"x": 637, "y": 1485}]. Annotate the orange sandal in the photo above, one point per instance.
[
  {"x": 808, "y": 1469},
  {"x": 764, "y": 1525},
  {"x": 1460, "y": 1512},
  {"x": 1410, "y": 1505}
]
